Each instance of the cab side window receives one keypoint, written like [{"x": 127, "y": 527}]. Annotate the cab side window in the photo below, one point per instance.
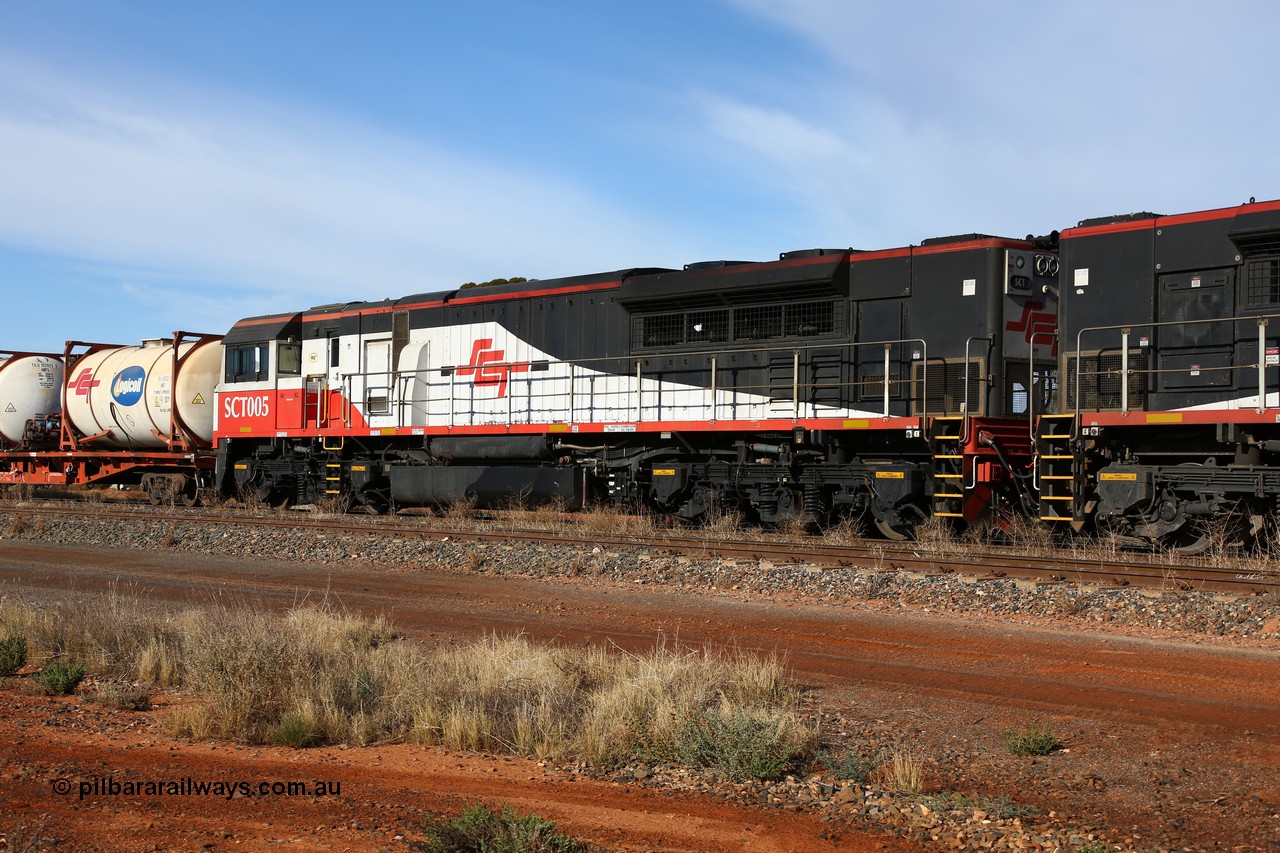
[
  {"x": 289, "y": 360},
  {"x": 247, "y": 363}
]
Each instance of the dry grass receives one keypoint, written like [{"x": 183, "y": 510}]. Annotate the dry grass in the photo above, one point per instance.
[
  {"x": 459, "y": 512},
  {"x": 847, "y": 531},
  {"x": 121, "y": 695},
  {"x": 506, "y": 694},
  {"x": 19, "y": 493},
  {"x": 314, "y": 675},
  {"x": 107, "y": 632},
  {"x": 16, "y": 527},
  {"x": 723, "y": 520},
  {"x": 612, "y": 520},
  {"x": 902, "y": 772},
  {"x": 935, "y": 538}
]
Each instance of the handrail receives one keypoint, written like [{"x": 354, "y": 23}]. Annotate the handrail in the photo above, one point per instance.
[
  {"x": 402, "y": 379},
  {"x": 1031, "y": 381},
  {"x": 964, "y": 404},
  {"x": 1126, "y": 329}
]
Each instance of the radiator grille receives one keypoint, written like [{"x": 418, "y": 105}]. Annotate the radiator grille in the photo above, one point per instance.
[{"x": 946, "y": 387}]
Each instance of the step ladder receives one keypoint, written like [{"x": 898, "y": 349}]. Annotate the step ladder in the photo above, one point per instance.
[
  {"x": 947, "y": 447},
  {"x": 333, "y": 478},
  {"x": 1056, "y": 467}
]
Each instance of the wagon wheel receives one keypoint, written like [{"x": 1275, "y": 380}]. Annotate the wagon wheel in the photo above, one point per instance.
[{"x": 190, "y": 494}]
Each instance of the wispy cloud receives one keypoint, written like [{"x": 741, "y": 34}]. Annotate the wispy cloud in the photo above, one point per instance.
[
  {"x": 195, "y": 183},
  {"x": 922, "y": 118}
]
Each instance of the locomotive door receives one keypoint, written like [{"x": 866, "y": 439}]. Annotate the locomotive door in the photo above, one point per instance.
[
  {"x": 377, "y": 379},
  {"x": 312, "y": 390},
  {"x": 333, "y": 400}
]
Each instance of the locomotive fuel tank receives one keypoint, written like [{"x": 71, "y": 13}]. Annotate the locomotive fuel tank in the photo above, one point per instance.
[
  {"x": 30, "y": 386},
  {"x": 125, "y": 396}
]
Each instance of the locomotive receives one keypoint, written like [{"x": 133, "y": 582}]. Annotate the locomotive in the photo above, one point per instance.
[
  {"x": 1167, "y": 422},
  {"x": 1117, "y": 375},
  {"x": 825, "y": 381}
]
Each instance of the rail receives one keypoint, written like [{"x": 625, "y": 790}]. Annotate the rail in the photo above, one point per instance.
[{"x": 1103, "y": 567}]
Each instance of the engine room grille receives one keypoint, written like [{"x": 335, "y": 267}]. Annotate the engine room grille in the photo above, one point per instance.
[
  {"x": 744, "y": 323},
  {"x": 1100, "y": 380},
  {"x": 1262, "y": 282}
]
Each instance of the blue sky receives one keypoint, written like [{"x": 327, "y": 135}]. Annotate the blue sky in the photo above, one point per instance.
[{"x": 179, "y": 165}]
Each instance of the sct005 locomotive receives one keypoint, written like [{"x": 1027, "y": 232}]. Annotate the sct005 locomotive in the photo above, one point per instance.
[
  {"x": 882, "y": 383},
  {"x": 1119, "y": 375}
]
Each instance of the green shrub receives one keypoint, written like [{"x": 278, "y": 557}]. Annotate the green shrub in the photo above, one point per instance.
[
  {"x": 295, "y": 731},
  {"x": 849, "y": 765},
  {"x": 739, "y": 745},
  {"x": 1033, "y": 739},
  {"x": 13, "y": 655},
  {"x": 60, "y": 678},
  {"x": 481, "y": 829}
]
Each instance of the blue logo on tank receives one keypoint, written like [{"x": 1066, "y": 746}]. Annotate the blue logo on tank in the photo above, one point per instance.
[{"x": 126, "y": 388}]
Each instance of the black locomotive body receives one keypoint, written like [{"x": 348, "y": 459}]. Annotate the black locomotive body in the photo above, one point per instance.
[
  {"x": 899, "y": 384},
  {"x": 1168, "y": 426}
]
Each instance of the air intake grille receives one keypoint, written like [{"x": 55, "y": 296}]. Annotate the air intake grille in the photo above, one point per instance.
[
  {"x": 1262, "y": 282},
  {"x": 1101, "y": 382}
]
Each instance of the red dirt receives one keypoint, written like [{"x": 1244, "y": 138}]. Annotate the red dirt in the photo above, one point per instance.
[{"x": 1164, "y": 736}]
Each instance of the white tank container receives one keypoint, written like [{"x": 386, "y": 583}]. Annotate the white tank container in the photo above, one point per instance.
[
  {"x": 30, "y": 386},
  {"x": 129, "y": 392}
]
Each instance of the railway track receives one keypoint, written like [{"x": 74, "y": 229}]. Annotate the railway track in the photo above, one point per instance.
[{"x": 928, "y": 558}]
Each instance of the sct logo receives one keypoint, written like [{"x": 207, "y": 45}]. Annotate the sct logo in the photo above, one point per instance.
[
  {"x": 255, "y": 406},
  {"x": 1035, "y": 321},
  {"x": 487, "y": 368},
  {"x": 84, "y": 383},
  {"x": 126, "y": 388}
]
